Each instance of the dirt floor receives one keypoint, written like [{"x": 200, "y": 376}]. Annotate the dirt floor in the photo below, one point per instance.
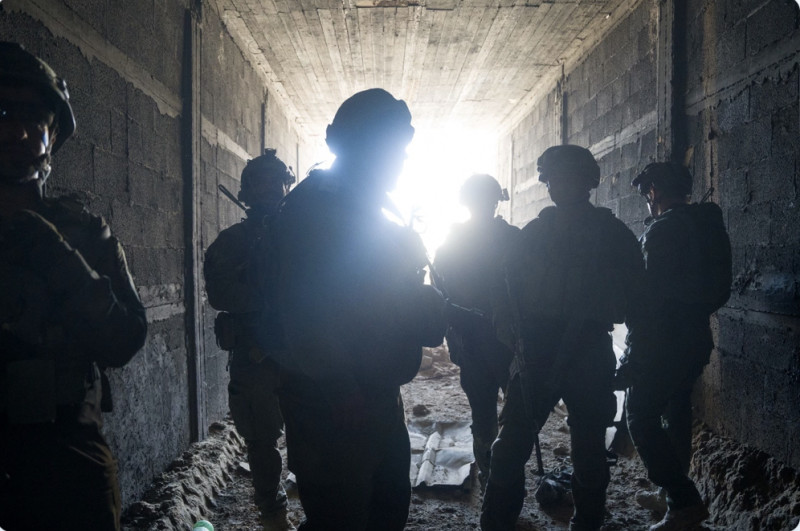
[
  {"x": 746, "y": 489},
  {"x": 437, "y": 395}
]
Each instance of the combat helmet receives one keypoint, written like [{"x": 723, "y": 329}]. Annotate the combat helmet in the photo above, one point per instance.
[
  {"x": 367, "y": 117},
  {"x": 20, "y": 68},
  {"x": 568, "y": 161},
  {"x": 268, "y": 167},
  {"x": 671, "y": 178},
  {"x": 481, "y": 188}
]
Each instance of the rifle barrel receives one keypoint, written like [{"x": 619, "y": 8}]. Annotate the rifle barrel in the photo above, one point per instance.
[{"x": 230, "y": 196}]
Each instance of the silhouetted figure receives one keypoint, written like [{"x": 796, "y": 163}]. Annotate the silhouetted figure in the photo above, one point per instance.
[
  {"x": 240, "y": 273},
  {"x": 470, "y": 264},
  {"x": 569, "y": 280},
  {"x": 356, "y": 314},
  {"x": 688, "y": 277},
  {"x": 68, "y": 309}
]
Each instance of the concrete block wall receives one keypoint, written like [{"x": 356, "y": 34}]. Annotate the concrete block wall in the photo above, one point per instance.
[
  {"x": 743, "y": 110},
  {"x": 517, "y": 154},
  {"x": 124, "y": 63},
  {"x": 742, "y": 114},
  {"x": 606, "y": 103}
]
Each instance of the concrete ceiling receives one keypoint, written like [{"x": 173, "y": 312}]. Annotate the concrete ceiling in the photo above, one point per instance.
[{"x": 458, "y": 63}]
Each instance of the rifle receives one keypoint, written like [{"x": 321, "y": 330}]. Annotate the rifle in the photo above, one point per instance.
[
  {"x": 232, "y": 197},
  {"x": 707, "y": 195},
  {"x": 456, "y": 309},
  {"x": 519, "y": 367}
]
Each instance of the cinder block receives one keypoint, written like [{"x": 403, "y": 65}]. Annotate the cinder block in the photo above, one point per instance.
[
  {"x": 72, "y": 167},
  {"x": 141, "y": 109},
  {"x": 785, "y": 228},
  {"x": 768, "y": 281},
  {"x": 733, "y": 113},
  {"x": 769, "y": 25},
  {"x": 769, "y": 96},
  {"x": 142, "y": 186},
  {"x": 111, "y": 175},
  {"x": 786, "y": 131},
  {"x": 769, "y": 343}
]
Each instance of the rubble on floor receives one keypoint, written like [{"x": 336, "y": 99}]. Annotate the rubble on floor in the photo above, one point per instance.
[{"x": 185, "y": 492}]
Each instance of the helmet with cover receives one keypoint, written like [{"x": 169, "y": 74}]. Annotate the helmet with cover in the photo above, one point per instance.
[
  {"x": 670, "y": 178},
  {"x": 367, "y": 119},
  {"x": 569, "y": 162},
  {"x": 20, "y": 68},
  {"x": 481, "y": 188},
  {"x": 264, "y": 177}
]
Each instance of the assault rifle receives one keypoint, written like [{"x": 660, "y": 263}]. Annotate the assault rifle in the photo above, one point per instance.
[
  {"x": 461, "y": 313},
  {"x": 519, "y": 367},
  {"x": 707, "y": 195},
  {"x": 232, "y": 197}
]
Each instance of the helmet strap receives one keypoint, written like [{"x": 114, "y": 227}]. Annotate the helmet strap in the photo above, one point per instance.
[{"x": 43, "y": 167}]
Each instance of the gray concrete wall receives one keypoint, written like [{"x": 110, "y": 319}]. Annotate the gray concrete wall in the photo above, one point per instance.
[
  {"x": 125, "y": 64},
  {"x": 744, "y": 125},
  {"x": 742, "y": 121}
]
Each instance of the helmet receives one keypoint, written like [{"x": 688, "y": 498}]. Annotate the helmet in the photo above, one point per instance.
[
  {"x": 18, "y": 67},
  {"x": 266, "y": 166},
  {"x": 568, "y": 161},
  {"x": 670, "y": 177},
  {"x": 481, "y": 187},
  {"x": 367, "y": 116}
]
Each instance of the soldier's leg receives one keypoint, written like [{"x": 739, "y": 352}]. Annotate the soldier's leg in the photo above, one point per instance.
[
  {"x": 333, "y": 466},
  {"x": 391, "y": 486},
  {"x": 591, "y": 403},
  {"x": 646, "y": 402},
  {"x": 481, "y": 389},
  {"x": 678, "y": 420},
  {"x": 256, "y": 413},
  {"x": 505, "y": 489}
]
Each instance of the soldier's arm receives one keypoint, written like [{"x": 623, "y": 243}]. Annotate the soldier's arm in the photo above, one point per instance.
[
  {"x": 118, "y": 326},
  {"x": 96, "y": 303}
]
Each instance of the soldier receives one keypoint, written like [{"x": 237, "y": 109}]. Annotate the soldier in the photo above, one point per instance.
[
  {"x": 356, "y": 314},
  {"x": 240, "y": 283},
  {"x": 688, "y": 277},
  {"x": 569, "y": 280},
  {"x": 470, "y": 266},
  {"x": 68, "y": 309}
]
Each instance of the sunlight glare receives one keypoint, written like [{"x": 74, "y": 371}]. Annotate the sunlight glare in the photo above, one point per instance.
[{"x": 438, "y": 163}]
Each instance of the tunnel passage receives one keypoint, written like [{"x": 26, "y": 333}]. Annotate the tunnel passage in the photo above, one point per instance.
[{"x": 173, "y": 97}]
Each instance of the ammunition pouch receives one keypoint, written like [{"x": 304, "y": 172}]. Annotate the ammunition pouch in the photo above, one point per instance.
[{"x": 254, "y": 334}]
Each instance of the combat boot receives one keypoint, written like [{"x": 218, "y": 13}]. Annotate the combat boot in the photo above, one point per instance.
[
  {"x": 682, "y": 519},
  {"x": 653, "y": 500},
  {"x": 277, "y": 521}
]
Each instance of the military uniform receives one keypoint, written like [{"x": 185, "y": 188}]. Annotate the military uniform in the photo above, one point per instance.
[
  {"x": 470, "y": 264},
  {"x": 237, "y": 273},
  {"x": 568, "y": 276},
  {"x": 687, "y": 255},
  {"x": 69, "y": 310},
  {"x": 356, "y": 315}
]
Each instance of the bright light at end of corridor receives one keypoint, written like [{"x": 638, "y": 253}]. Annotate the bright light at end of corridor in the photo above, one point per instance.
[{"x": 438, "y": 163}]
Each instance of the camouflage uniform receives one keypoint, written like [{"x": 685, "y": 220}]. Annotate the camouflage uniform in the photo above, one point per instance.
[
  {"x": 571, "y": 275},
  {"x": 470, "y": 264},
  {"x": 669, "y": 340},
  {"x": 356, "y": 315},
  {"x": 69, "y": 310},
  {"x": 236, "y": 272}
]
